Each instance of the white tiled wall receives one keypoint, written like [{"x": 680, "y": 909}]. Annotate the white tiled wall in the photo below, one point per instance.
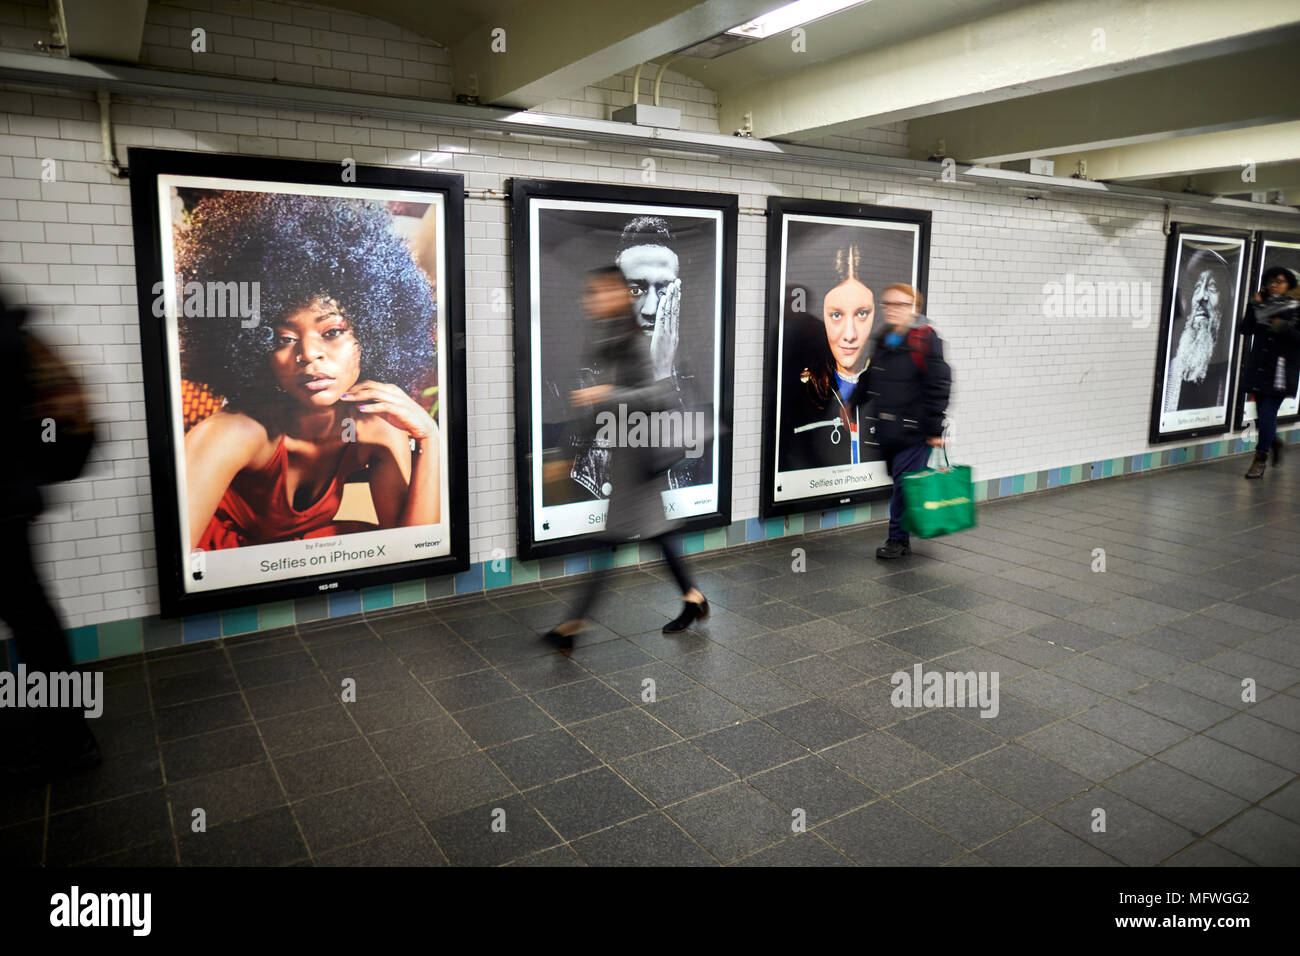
[{"x": 1030, "y": 392}]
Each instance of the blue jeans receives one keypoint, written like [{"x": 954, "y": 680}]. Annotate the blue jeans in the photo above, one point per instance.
[
  {"x": 1266, "y": 407},
  {"x": 901, "y": 461}
]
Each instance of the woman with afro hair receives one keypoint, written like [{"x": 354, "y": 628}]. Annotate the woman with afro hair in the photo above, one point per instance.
[{"x": 319, "y": 387}]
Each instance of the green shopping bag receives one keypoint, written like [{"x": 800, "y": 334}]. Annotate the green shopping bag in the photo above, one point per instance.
[{"x": 938, "y": 500}]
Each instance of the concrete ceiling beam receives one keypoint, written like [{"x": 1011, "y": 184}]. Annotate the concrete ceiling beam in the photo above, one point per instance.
[
  {"x": 1244, "y": 150},
  {"x": 1012, "y": 53},
  {"x": 543, "y": 49},
  {"x": 1249, "y": 88}
]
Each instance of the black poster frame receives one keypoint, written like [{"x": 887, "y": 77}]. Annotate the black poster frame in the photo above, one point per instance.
[
  {"x": 1256, "y": 277},
  {"x": 522, "y": 193},
  {"x": 1231, "y": 316},
  {"x": 777, "y": 209},
  {"x": 146, "y": 165}
]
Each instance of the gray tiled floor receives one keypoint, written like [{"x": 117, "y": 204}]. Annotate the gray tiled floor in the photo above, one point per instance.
[{"x": 766, "y": 736}]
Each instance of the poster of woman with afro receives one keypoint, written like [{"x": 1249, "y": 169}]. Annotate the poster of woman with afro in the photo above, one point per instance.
[{"x": 302, "y": 324}]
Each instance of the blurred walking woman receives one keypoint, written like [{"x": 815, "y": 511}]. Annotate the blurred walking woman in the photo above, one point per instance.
[
  {"x": 1272, "y": 368},
  {"x": 636, "y": 512}
]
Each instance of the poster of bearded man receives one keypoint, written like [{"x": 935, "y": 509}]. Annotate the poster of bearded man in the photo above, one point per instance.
[{"x": 1196, "y": 358}]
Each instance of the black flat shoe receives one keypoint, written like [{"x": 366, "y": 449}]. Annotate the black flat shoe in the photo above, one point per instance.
[
  {"x": 85, "y": 755},
  {"x": 691, "y": 612},
  {"x": 563, "y": 642}
]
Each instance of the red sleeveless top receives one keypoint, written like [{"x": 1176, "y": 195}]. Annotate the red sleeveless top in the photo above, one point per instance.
[{"x": 256, "y": 509}]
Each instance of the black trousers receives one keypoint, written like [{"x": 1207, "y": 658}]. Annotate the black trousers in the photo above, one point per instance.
[
  {"x": 27, "y": 611},
  {"x": 676, "y": 564}
]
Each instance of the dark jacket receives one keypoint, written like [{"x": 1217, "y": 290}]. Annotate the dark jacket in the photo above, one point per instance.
[
  {"x": 591, "y": 463},
  {"x": 910, "y": 391},
  {"x": 621, "y": 351},
  {"x": 815, "y": 433},
  {"x": 20, "y": 493},
  {"x": 1268, "y": 344}
]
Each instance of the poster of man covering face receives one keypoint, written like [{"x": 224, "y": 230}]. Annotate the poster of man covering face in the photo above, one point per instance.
[
  {"x": 676, "y": 252},
  {"x": 829, "y": 265},
  {"x": 1204, "y": 269},
  {"x": 1273, "y": 251},
  {"x": 304, "y": 389}
]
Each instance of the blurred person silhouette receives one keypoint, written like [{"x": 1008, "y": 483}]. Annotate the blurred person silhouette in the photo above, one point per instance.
[
  {"x": 649, "y": 259},
  {"x": 622, "y": 352},
  {"x": 41, "y": 394},
  {"x": 910, "y": 382},
  {"x": 1271, "y": 371}
]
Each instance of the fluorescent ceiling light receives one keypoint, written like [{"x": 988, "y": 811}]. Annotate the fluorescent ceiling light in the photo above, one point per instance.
[{"x": 792, "y": 15}]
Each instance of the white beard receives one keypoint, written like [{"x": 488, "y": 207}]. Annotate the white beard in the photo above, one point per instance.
[{"x": 1195, "y": 349}]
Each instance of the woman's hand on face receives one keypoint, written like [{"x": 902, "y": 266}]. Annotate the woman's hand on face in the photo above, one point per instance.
[
  {"x": 394, "y": 406},
  {"x": 590, "y": 396}
]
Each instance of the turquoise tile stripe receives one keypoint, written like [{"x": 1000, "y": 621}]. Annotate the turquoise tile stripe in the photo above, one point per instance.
[
  {"x": 497, "y": 571},
  {"x": 377, "y": 598},
  {"x": 99, "y": 641},
  {"x": 83, "y": 643},
  {"x": 238, "y": 621}
]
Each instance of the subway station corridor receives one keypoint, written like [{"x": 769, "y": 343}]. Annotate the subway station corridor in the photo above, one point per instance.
[{"x": 1123, "y": 730}]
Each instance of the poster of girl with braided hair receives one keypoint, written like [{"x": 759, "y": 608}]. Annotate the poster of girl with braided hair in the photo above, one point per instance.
[
  {"x": 829, "y": 264},
  {"x": 304, "y": 396},
  {"x": 676, "y": 251}
]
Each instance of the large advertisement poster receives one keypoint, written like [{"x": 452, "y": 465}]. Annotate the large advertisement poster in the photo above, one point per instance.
[
  {"x": 305, "y": 396},
  {"x": 1273, "y": 250},
  {"x": 677, "y": 251},
  {"x": 828, "y": 266},
  {"x": 1197, "y": 359}
]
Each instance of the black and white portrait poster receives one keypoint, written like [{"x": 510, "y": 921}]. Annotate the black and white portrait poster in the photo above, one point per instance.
[
  {"x": 1272, "y": 252},
  {"x": 304, "y": 389},
  {"x": 1204, "y": 270},
  {"x": 677, "y": 252},
  {"x": 829, "y": 265}
]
